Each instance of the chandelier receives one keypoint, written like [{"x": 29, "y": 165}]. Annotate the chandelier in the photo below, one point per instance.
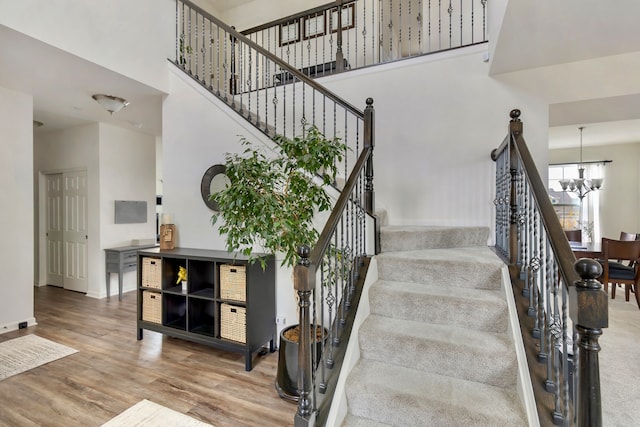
[{"x": 581, "y": 186}]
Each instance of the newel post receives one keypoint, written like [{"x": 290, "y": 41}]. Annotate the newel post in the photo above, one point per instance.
[
  {"x": 369, "y": 194},
  {"x": 515, "y": 130},
  {"x": 304, "y": 278},
  {"x": 589, "y": 311}
]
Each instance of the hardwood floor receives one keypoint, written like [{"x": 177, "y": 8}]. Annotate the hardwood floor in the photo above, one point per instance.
[{"x": 112, "y": 371}]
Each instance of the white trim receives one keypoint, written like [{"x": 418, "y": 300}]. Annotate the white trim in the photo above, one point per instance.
[
  {"x": 525, "y": 388},
  {"x": 339, "y": 404}
]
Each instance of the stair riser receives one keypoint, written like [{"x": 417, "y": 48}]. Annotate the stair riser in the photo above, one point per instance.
[
  {"x": 450, "y": 273},
  {"x": 497, "y": 368},
  {"x": 407, "y": 414},
  {"x": 399, "y": 239},
  {"x": 460, "y": 312},
  {"x": 400, "y": 396}
]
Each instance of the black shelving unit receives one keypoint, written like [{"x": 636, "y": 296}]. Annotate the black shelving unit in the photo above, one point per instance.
[{"x": 195, "y": 314}]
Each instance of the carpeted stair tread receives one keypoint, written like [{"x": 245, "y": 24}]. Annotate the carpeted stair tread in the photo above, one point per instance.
[
  {"x": 401, "y": 396},
  {"x": 353, "y": 421},
  {"x": 478, "y": 309},
  {"x": 473, "y": 267},
  {"x": 408, "y": 237},
  {"x": 456, "y": 352}
]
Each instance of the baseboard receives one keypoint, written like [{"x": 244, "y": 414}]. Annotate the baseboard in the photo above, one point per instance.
[
  {"x": 14, "y": 326},
  {"x": 525, "y": 388}
]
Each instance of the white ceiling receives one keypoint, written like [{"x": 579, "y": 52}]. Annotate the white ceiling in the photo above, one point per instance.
[
  {"x": 541, "y": 33},
  {"x": 62, "y": 84}
]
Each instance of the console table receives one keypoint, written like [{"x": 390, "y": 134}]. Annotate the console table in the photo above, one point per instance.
[{"x": 120, "y": 260}]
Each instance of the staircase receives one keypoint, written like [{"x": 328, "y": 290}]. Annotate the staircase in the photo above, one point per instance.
[{"x": 435, "y": 348}]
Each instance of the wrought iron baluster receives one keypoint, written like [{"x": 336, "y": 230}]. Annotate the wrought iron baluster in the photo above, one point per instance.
[{"x": 534, "y": 310}]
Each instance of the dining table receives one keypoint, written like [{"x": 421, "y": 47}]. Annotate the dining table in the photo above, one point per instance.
[{"x": 586, "y": 249}]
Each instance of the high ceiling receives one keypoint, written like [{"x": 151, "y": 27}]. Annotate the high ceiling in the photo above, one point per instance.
[{"x": 62, "y": 84}]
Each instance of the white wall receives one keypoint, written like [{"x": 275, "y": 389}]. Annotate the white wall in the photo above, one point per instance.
[
  {"x": 620, "y": 195},
  {"x": 127, "y": 172},
  {"x": 16, "y": 180},
  {"x": 433, "y": 138},
  {"x": 197, "y": 132},
  {"x": 136, "y": 43},
  {"x": 120, "y": 165}
]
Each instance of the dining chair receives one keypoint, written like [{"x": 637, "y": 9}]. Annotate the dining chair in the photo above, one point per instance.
[
  {"x": 574, "y": 235},
  {"x": 616, "y": 272},
  {"x": 628, "y": 236}
]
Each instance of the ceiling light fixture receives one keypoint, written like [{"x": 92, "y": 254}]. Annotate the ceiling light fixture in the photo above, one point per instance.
[
  {"x": 112, "y": 104},
  {"x": 581, "y": 186}
]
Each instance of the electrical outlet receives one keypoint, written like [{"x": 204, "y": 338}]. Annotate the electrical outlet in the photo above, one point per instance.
[
  {"x": 22, "y": 325},
  {"x": 281, "y": 321}
]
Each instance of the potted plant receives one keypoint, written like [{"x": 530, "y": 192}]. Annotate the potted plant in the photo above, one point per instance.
[
  {"x": 271, "y": 200},
  {"x": 269, "y": 206}
]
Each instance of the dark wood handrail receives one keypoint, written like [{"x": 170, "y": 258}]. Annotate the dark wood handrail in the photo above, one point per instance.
[
  {"x": 334, "y": 219},
  {"x": 295, "y": 72},
  {"x": 558, "y": 240}
]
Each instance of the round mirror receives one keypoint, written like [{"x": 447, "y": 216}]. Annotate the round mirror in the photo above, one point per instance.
[{"x": 213, "y": 181}]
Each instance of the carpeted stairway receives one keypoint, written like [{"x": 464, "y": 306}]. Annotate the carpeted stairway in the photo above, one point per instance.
[{"x": 435, "y": 350}]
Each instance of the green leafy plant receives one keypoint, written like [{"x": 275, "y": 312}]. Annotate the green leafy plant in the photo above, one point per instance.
[{"x": 272, "y": 198}]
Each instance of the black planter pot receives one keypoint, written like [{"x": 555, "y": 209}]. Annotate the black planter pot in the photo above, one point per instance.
[{"x": 287, "y": 374}]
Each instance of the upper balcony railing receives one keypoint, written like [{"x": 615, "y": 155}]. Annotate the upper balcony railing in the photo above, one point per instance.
[{"x": 321, "y": 41}]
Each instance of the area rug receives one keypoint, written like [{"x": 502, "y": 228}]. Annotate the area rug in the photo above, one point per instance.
[
  {"x": 148, "y": 414},
  {"x": 27, "y": 352}
]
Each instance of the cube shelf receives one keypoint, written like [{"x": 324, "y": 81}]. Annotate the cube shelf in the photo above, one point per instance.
[{"x": 241, "y": 317}]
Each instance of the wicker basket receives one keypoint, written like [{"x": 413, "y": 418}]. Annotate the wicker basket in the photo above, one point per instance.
[
  {"x": 233, "y": 283},
  {"x": 151, "y": 272},
  {"x": 233, "y": 322},
  {"x": 151, "y": 306}
]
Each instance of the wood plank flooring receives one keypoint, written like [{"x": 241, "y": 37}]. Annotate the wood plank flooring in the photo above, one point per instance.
[{"x": 113, "y": 371}]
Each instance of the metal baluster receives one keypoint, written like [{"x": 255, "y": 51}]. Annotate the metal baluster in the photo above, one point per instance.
[
  {"x": 535, "y": 288},
  {"x": 543, "y": 299},
  {"x": 419, "y": 19},
  {"x": 557, "y": 383},
  {"x": 473, "y": 21},
  {"x": 248, "y": 74},
  {"x": 484, "y": 19},
  {"x": 196, "y": 50},
  {"x": 461, "y": 43},
  {"x": 450, "y": 12},
  {"x": 531, "y": 245},
  {"x": 189, "y": 32},
  {"x": 390, "y": 29},
  {"x": 211, "y": 42},
  {"x": 400, "y": 29},
  {"x": 178, "y": 32},
  {"x": 439, "y": 24}
]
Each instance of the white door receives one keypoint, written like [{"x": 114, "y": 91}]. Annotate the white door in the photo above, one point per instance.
[
  {"x": 75, "y": 231},
  {"x": 54, "y": 230}
]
